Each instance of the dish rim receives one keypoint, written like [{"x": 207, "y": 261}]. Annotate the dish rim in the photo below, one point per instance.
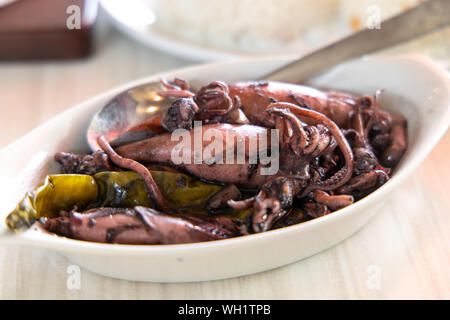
[{"x": 54, "y": 241}]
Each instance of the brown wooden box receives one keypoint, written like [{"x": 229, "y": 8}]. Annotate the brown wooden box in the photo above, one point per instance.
[{"x": 37, "y": 29}]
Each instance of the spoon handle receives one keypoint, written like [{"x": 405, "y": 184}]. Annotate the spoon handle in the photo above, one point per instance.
[{"x": 424, "y": 18}]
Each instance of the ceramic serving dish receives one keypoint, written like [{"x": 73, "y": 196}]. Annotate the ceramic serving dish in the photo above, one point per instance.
[{"x": 413, "y": 85}]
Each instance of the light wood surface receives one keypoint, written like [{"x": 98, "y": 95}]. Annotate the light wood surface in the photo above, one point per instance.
[{"x": 408, "y": 244}]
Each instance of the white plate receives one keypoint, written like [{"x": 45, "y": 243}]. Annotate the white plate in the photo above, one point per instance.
[
  {"x": 140, "y": 29},
  {"x": 135, "y": 18},
  {"x": 414, "y": 86}
]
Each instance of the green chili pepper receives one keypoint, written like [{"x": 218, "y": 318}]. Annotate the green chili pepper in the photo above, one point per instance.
[
  {"x": 127, "y": 189},
  {"x": 124, "y": 189}
]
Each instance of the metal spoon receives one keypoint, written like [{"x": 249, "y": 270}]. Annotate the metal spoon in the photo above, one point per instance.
[
  {"x": 124, "y": 112},
  {"x": 138, "y": 104}
]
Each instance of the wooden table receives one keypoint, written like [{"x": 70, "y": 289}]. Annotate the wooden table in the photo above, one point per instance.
[{"x": 406, "y": 248}]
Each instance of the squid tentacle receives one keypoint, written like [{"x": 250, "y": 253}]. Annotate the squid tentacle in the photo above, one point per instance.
[
  {"x": 334, "y": 202},
  {"x": 152, "y": 188},
  {"x": 346, "y": 172}
]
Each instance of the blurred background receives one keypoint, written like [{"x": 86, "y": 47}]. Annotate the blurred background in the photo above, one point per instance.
[{"x": 56, "y": 53}]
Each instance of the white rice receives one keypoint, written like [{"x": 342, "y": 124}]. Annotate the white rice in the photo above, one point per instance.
[
  {"x": 268, "y": 25},
  {"x": 249, "y": 25}
]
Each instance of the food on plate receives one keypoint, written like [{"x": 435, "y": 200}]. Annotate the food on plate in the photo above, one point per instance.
[
  {"x": 223, "y": 161},
  {"x": 270, "y": 25}
]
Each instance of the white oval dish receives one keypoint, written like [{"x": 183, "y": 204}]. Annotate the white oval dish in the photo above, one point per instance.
[{"x": 414, "y": 87}]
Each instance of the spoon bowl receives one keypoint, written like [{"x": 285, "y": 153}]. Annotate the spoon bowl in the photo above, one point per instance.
[{"x": 125, "y": 111}]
